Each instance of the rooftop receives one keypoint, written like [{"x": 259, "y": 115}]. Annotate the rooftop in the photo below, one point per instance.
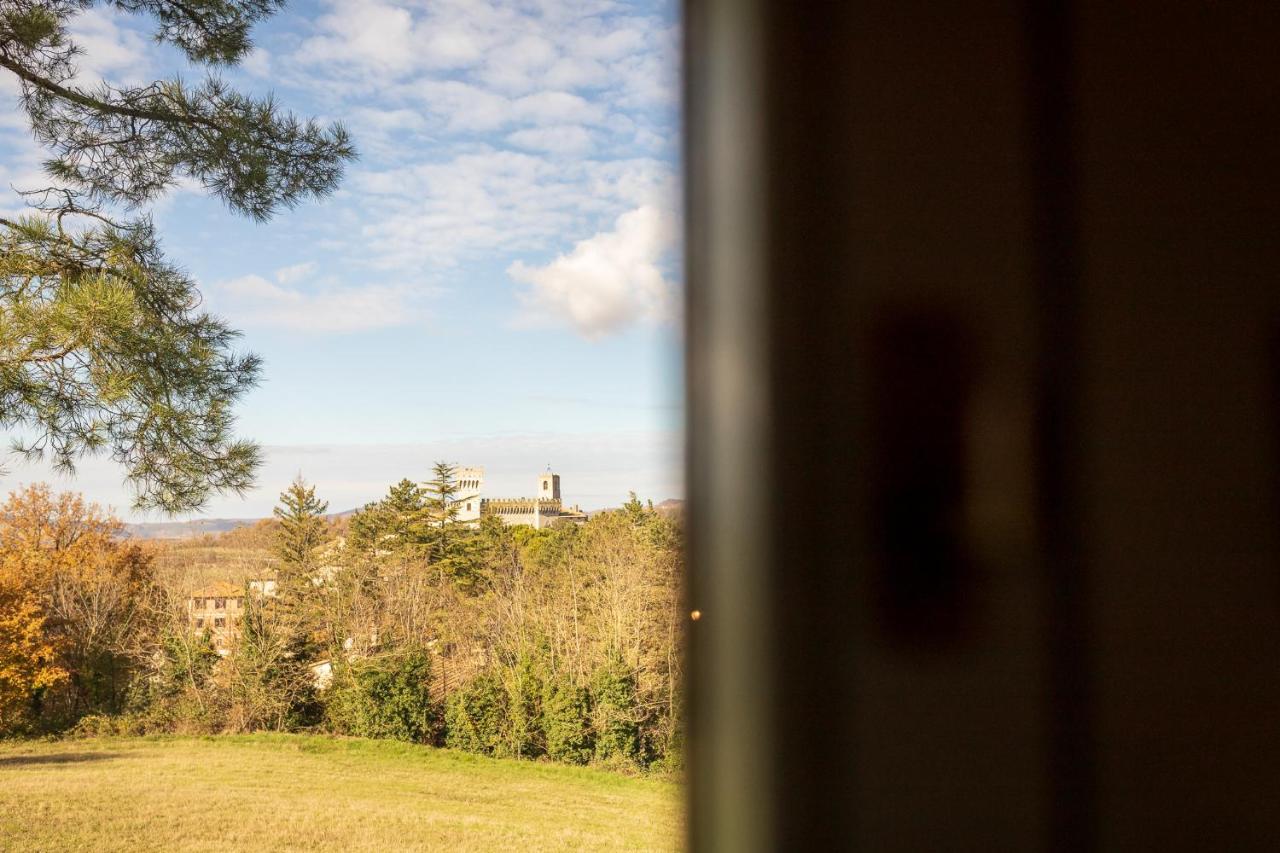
[{"x": 219, "y": 589}]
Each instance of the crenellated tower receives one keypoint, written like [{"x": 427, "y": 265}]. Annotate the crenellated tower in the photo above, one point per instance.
[
  {"x": 549, "y": 486},
  {"x": 470, "y": 483}
]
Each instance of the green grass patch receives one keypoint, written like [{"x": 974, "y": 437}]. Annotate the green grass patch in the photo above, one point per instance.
[{"x": 302, "y": 792}]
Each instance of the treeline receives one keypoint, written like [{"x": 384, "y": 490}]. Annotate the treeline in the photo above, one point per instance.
[{"x": 400, "y": 622}]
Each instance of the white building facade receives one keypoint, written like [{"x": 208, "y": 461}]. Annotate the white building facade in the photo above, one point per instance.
[{"x": 542, "y": 510}]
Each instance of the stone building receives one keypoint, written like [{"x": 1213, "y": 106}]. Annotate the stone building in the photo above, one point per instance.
[
  {"x": 542, "y": 510},
  {"x": 217, "y": 608}
]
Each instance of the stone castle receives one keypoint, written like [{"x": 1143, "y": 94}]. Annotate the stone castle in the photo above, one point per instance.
[{"x": 543, "y": 510}]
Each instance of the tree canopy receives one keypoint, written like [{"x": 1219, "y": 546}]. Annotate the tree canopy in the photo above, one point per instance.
[
  {"x": 103, "y": 345},
  {"x": 72, "y": 594}
]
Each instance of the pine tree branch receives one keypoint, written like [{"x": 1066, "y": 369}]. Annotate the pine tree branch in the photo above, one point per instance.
[{"x": 84, "y": 100}]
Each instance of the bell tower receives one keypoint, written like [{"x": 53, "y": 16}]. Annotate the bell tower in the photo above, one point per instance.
[
  {"x": 549, "y": 486},
  {"x": 470, "y": 483}
]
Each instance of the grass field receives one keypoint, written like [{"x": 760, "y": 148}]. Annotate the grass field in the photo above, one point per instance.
[{"x": 297, "y": 792}]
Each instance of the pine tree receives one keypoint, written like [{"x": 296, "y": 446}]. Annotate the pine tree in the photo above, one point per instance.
[
  {"x": 303, "y": 528},
  {"x": 103, "y": 347},
  {"x": 454, "y": 547},
  {"x": 395, "y": 523},
  {"x": 294, "y": 612},
  {"x": 441, "y": 493}
]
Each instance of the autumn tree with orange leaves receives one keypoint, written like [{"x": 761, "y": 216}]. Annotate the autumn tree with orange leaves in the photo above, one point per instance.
[{"x": 72, "y": 598}]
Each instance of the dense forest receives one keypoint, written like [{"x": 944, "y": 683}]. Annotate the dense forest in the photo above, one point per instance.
[{"x": 561, "y": 643}]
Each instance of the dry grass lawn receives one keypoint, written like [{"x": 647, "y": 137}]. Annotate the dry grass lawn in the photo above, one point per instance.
[{"x": 298, "y": 792}]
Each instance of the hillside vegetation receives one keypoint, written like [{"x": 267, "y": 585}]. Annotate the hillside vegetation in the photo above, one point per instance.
[
  {"x": 297, "y": 792},
  {"x": 400, "y": 622}
]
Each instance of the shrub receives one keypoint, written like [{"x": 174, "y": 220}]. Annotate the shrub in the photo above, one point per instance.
[
  {"x": 386, "y": 697},
  {"x": 615, "y": 712},
  {"x": 179, "y": 694},
  {"x": 266, "y": 678},
  {"x": 567, "y": 721},
  {"x": 523, "y": 734},
  {"x": 103, "y": 725},
  {"x": 475, "y": 716}
]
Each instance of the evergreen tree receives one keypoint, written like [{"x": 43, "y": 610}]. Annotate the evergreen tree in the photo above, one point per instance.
[
  {"x": 454, "y": 547},
  {"x": 303, "y": 528},
  {"x": 441, "y": 493},
  {"x": 103, "y": 347},
  {"x": 296, "y": 609},
  {"x": 394, "y": 523},
  {"x": 634, "y": 509}
]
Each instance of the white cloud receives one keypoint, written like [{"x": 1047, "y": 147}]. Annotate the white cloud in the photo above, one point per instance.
[
  {"x": 385, "y": 134},
  {"x": 452, "y": 48},
  {"x": 609, "y": 281},
  {"x": 113, "y": 50},
  {"x": 576, "y": 72},
  {"x": 467, "y": 108},
  {"x": 386, "y": 120},
  {"x": 368, "y": 34},
  {"x": 324, "y": 306},
  {"x": 12, "y": 116},
  {"x": 519, "y": 62},
  {"x": 554, "y": 108},
  {"x": 464, "y": 107},
  {"x": 295, "y": 273},
  {"x": 487, "y": 202},
  {"x": 475, "y": 119},
  {"x": 619, "y": 42},
  {"x": 502, "y": 48},
  {"x": 561, "y": 139},
  {"x": 257, "y": 63},
  {"x": 21, "y": 168},
  {"x": 20, "y": 159}
]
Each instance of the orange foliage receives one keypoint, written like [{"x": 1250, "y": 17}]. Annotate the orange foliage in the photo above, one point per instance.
[
  {"x": 27, "y": 657},
  {"x": 47, "y": 540}
]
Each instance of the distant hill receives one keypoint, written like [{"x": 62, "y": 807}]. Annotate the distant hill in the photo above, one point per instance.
[
  {"x": 197, "y": 527},
  {"x": 186, "y": 529},
  {"x": 669, "y": 507}
]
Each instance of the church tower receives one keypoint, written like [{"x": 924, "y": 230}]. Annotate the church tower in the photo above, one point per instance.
[
  {"x": 549, "y": 486},
  {"x": 470, "y": 483}
]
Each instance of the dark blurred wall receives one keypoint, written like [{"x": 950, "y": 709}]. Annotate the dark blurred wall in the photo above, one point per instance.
[
  {"x": 984, "y": 425},
  {"x": 1180, "y": 287}
]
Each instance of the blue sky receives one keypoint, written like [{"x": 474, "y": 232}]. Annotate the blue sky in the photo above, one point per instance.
[{"x": 497, "y": 281}]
